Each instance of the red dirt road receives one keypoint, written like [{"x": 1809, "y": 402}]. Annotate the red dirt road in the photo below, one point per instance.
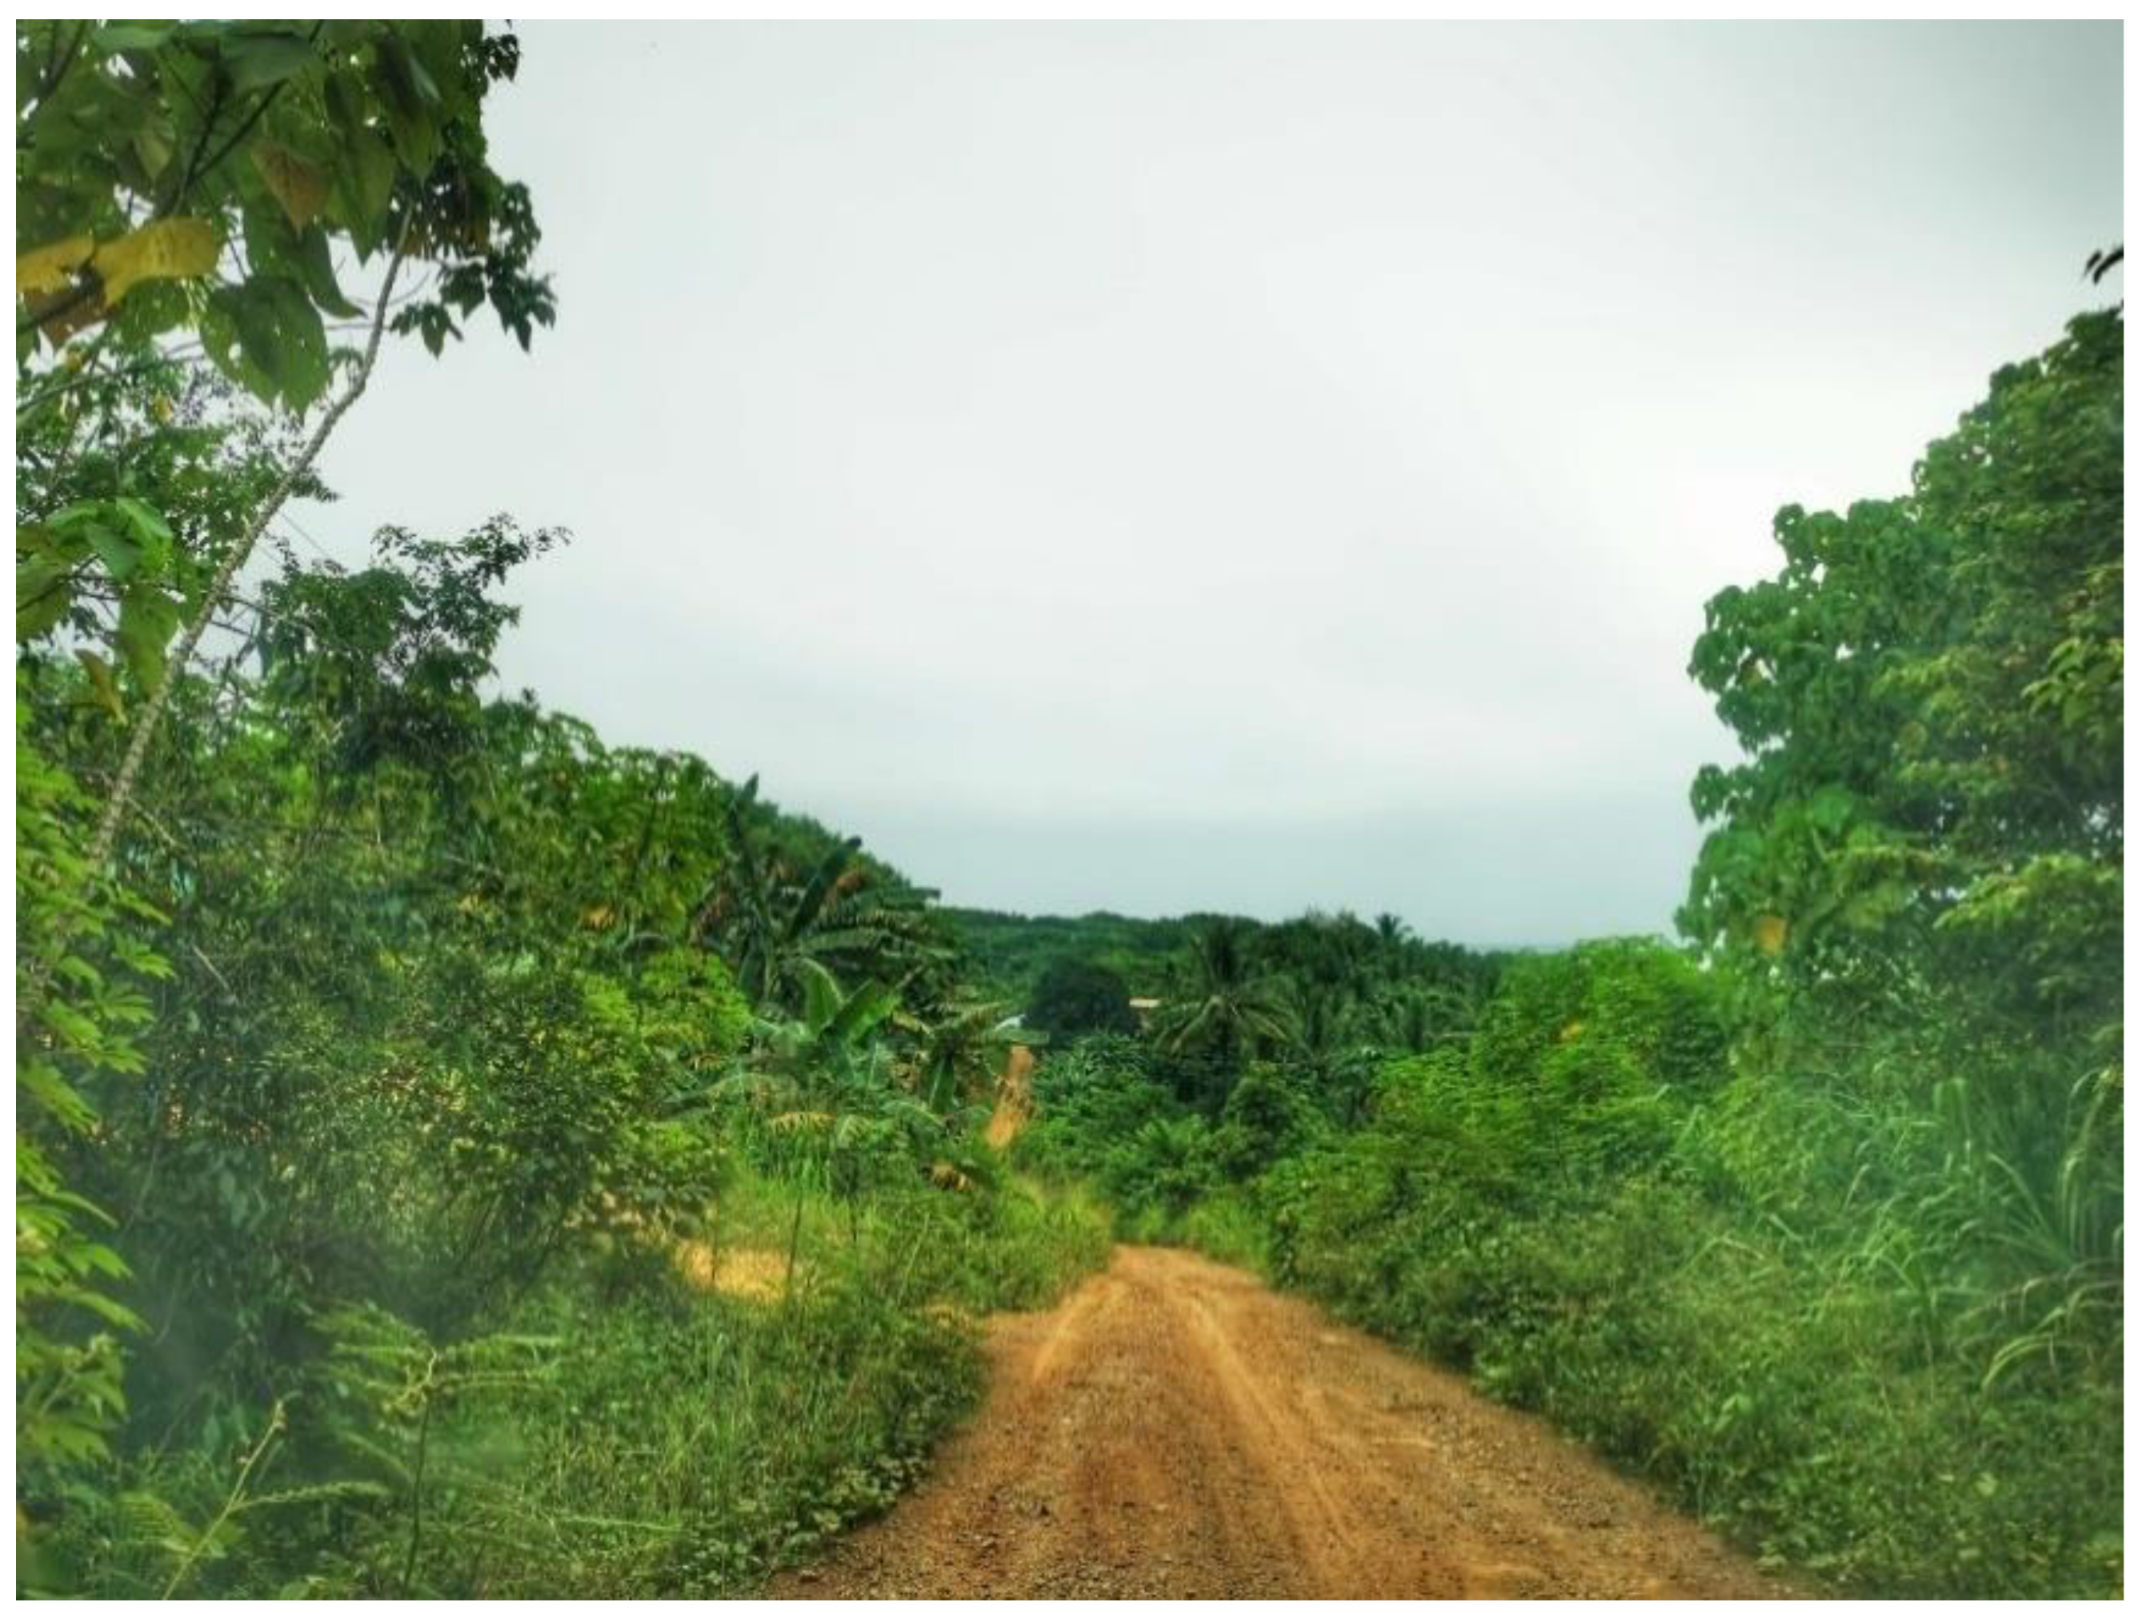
[{"x": 1175, "y": 1429}]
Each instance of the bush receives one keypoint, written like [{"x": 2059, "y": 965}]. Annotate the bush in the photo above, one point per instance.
[
  {"x": 628, "y": 1436},
  {"x": 1102, "y": 1118},
  {"x": 1759, "y": 1293},
  {"x": 1073, "y": 999}
]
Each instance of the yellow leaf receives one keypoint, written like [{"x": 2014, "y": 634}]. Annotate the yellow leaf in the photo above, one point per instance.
[
  {"x": 1569, "y": 1031},
  {"x": 598, "y": 917},
  {"x": 296, "y": 184},
  {"x": 1770, "y": 930},
  {"x": 100, "y": 679},
  {"x": 169, "y": 249},
  {"x": 51, "y": 268}
]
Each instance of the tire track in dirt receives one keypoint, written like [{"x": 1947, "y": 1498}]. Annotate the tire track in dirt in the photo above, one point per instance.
[{"x": 1176, "y": 1429}]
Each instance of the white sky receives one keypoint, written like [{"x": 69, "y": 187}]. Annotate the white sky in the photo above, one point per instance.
[{"x": 1192, "y": 467}]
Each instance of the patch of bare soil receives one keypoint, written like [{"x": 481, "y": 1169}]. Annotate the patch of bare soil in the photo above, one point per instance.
[
  {"x": 742, "y": 1274},
  {"x": 1013, "y": 1099},
  {"x": 1176, "y": 1429}
]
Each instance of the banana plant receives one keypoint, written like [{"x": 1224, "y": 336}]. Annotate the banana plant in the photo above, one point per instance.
[
  {"x": 964, "y": 1054},
  {"x": 827, "y": 1087},
  {"x": 767, "y": 923}
]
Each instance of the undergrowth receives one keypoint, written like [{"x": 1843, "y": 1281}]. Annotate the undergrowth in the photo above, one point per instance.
[{"x": 626, "y": 1433}]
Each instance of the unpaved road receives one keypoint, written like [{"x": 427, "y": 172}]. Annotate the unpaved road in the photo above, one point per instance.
[
  {"x": 1175, "y": 1429},
  {"x": 1013, "y": 1098}
]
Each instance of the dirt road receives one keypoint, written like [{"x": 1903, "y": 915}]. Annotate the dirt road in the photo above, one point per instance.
[
  {"x": 1175, "y": 1429},
  {"x": 1013, "y": 1098}
]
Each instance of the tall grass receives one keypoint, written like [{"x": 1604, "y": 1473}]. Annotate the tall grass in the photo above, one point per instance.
[
  {"x": 1860, "y": 1312},
  {"x": 664, "y": 1439}
]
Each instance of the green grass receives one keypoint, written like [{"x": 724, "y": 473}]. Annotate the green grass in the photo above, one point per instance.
[{"x": 672, "y": 1443}]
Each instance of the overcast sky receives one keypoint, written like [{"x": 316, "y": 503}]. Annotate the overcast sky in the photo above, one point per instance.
[{"x": 1237, "y": 468}]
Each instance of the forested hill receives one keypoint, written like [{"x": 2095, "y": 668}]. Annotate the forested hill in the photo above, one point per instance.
[
  {"x": 1011, "y": 951},
  {"x": 1329, "y": 978}
]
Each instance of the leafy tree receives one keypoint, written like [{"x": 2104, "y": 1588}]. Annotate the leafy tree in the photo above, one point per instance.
[
  {"x": 144, "y": 151},
  {"x": 1326, "y": 1020},
  {"x": 1270, "y": 1113},
  {"x": 1915, "y": 876},
  {"x": 963, "y": 1054},
  {"x": 1073, "y": 998},
  {"x": 1414, "y": 1019},
  {"x": 201, "y": 174},
  {"x": 826, "y": 1087},
  {"x": 1931, "y": 693},
  {"x": 1010, "y": 952}
]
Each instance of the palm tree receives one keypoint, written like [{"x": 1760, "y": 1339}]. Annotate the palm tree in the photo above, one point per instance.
[
  {"x": 1328, "y": 1020},
  {"x": 1417, "y": 1018},
  {"x": 1229, "y": 1013}
]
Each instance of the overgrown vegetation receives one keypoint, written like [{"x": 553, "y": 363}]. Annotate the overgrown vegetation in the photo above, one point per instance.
[
  {"x": 1012, "y": 951},
  {"x": 404, "y": 1074}
]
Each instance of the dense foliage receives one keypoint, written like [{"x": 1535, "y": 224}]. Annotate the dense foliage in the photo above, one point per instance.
[
  {"x": 414, "y": 1089},
  {"x": 1012, "y": 951},
  {"x": 1073, "y": 999}
]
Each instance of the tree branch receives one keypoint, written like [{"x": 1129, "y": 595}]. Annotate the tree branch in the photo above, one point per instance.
[{"x": 39, "y": 977}]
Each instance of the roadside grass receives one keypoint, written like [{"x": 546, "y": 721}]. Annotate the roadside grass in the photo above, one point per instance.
[
  {"x": 693, "y": 1446},
  {"x": 668, "y": 1440},
  {"x": 1861, "y": 1332}
]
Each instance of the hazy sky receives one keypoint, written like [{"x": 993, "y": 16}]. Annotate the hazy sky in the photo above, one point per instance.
[{"x": 1202, "y": 467}]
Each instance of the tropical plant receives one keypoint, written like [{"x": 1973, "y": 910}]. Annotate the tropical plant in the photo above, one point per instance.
[
  {"x": 200, "y": 174},
  {"x": 769, "y": 923},
  {"x": 963, "y": 1053},
  {"x": 1227, "y": 1012},
  {"x": 1915, "y": 876},
  {"x": 1074, "y": 997},
  {"x": 825, "y": 1088}
]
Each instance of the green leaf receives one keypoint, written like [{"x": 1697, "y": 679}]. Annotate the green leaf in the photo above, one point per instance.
[
  {"x": 408, "y": 117},
  {"x": 153, "y": 530},
  {"x": 315, "y": 262},
  {"x": 362, "y": 189},
  {"x": 267, "y": 336},
  {"x": 113, "y": 37},
  {"x": 119, "y": 550},
  {"x": 147, "y": 619},
  {"x": 43, "y": 592},
  {"x": 258, "y": 61}
]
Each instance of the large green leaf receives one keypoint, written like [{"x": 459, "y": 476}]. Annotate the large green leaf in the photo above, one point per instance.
[
  {"x": 267, "y": 335},
  {"x": 148, "y": 618},
  {"x": 260, "y": 60}
]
